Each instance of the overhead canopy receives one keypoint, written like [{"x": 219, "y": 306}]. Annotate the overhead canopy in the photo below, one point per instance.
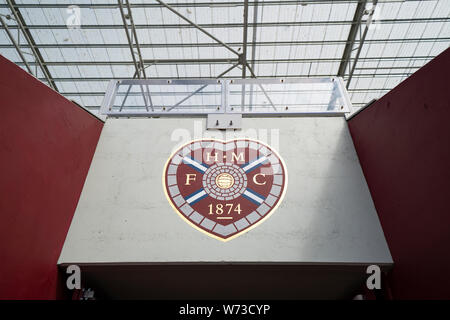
[{"x": 320, "y": 38}]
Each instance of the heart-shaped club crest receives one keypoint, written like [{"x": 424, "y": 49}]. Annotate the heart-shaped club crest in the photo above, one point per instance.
[{"x": 225, "y": 188}]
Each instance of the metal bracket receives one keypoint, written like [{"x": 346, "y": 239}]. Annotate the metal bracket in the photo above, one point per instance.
[{"x": 224, "y": 121}]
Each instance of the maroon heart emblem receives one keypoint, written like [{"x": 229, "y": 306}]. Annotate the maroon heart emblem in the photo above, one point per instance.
[{"x": 225, "y": 188}]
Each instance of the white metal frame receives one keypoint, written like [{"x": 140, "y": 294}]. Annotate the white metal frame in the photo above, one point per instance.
[{"x": 107, "y": 107}]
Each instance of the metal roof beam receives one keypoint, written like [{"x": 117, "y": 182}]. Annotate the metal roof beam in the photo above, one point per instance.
[
  {"x": 130, "y": 41},
  {"x": 261, "y": 87},
  {"x": 253, "y": 44},
  {"x": 239, "y": 25},
  {"x": 197, "y": 27},
  {"x": 357, "y": 18},
  {"x": 134, "y": 43},
  {"x": 190, "y": 61},
  {"x": 31, "y": 43},
  {"x": 202, "y": 87},
  {"x": 361, "y": 42},
  {"x": 107, "y": 79},
  {"x": 243, "y": 57},
  {"x": 220, "y": 4},
  {"x": 223, "y": 61},
  {"x": 125, "y": 19},
  {"x": 19, "y": 51},
  {"x": 255, "y": 24}
]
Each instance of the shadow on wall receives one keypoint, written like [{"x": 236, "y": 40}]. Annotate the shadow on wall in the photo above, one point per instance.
[{"x": 343, "y": 211}]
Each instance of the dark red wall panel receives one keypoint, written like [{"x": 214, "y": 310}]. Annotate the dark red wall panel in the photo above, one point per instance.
[
  {"x": 46, "y": 147},
  {"x": 403, "y": 144}
]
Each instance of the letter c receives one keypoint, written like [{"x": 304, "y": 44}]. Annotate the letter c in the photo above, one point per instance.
[{"x": 256, "y": 181}]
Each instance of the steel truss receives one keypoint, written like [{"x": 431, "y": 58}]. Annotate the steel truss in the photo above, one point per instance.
[
  {"x": 360, "y": 12},
  {"x": 22, "y": 29}
]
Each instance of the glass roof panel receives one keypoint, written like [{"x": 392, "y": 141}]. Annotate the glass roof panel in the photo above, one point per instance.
[{"x": 284, "y": 39}]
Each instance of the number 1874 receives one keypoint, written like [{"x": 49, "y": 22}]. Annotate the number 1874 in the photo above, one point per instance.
[{"x": 228, "y": 208}]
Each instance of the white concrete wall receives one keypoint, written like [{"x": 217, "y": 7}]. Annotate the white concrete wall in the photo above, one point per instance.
[{"x": 327, "y": 215}]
